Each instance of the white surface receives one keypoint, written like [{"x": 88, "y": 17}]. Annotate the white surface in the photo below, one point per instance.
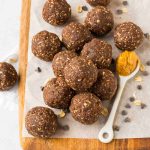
[
  {"x": 138, "y": 12},
  {"x": 9, "y": 38}
]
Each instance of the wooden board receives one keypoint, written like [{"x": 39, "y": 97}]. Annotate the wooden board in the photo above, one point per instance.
[{"x": 59, "y": 144}]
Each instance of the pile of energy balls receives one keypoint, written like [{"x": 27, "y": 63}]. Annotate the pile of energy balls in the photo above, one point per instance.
[{"x": 83, "y": 70}]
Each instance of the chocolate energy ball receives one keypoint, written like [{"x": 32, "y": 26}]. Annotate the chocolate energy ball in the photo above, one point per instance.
[
  {"x": 99, "y": 20},
  {"x": 60, "y": 60},
  {"x": 75, "y": 35},
  {"x": 56, "y": 12},
  {"x": 41, "y": 122},
  {"x": 45, "y": 45},
  {"x": 57, "y": 94},
  {"x": 106, "y": 85},
  {"x": 99, "y": 51},
  {"x": 98, "y": 2},
  {"x": 80, "y": 73},
  {"x": 8, "y": 76},
  {"x": 128, "y": 36},
  {"x": 86, "y": 108}
]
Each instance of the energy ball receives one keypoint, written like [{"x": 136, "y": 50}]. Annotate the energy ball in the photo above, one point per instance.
[
  {"x": 60, "y": 60},
  {"x": 45, "y": 45},
  {"x": 99, "y": 51},
  {"x": 99, "y": 21},
  {"x": 86, "y": 108},
  {"x": 80, "y": 73},
  {"x": 57, "y": 94},
  {"x": 75, "y": 35},
  {"x": 56, "y": 12},
  {"x": 41, "y": 122},
  {"x": 8, "y": 76},
  {"x": 106, "y": 85},
  {"x": 98, "y": 2},
  {"x": 128, "y": 36}
]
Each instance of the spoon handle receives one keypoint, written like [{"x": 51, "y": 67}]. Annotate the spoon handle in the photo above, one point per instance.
[{"x": 106, "y": 133}]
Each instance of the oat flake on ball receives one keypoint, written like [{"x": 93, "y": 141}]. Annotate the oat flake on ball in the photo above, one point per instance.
[
  {"x": 98, "y": 2},
  {"x": 106, "y": 85},
  {"x": 128, "y": 36},
  {"x": 75, "y": 35},
  {"x": 86, "y": 108},
  {"x": 41, "y": 122},
  {"x": 45, "y": 45},
  {"x": 57, "y": 94},
  {"x": 56, "y": 12},
  {"x": 80, "y": 73},
  {"x": 99, "y": 20},
  {"x": 60, "y": 60},
  {"x": 8, "y": 76},
  {"x": 99, "y": 51}
]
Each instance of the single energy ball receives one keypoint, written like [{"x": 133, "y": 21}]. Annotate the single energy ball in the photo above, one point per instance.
[
  {"x": 128, "y": 36},
  {"x": 80, "y": 73},
  {"x": 57, "y": 94},
  {"x": 86, "y": 108},
  {"x": 98, "y": 2},
  {"x": 75, "y": 35},
  {"x": 56, "y": 12},
  {"x": 45, "y": 45},
  {"x": 41, "y": 122},
  {"x": 8, "y": 76},
  {"x": 60, "y": 60},
  {"x": 99, "y": 20},
  {"x": 99, "y": 51},
  {"x": 106, "y": 85}
]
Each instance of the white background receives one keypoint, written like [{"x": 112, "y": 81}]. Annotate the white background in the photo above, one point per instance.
[{"x": 9, "y": 38}]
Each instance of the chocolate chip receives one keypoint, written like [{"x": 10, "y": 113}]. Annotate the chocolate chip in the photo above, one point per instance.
[
  {"x": 124, "y": 112},
  {"x": 42, "y": 88},
  {"x": 66, "y": 110},
  {"x": 119, "y": 11},
  {"x": 143, "y": 106},
  {"x": 148, "y": 63},
  {"x": 38, "y": 69},
  {"x": 116, "y": 128},
  {"x": 147, "y": 36},
  {"x": 132, "y": 99},
  {"x": 84, "y": 8},
  {"x": 127, "y": 119},
  {"x": 145, "y": 73},
  {"x": 125, "y": 3},
  {"x": 127, "y": 106},
  {"x": 139, "y": 87},
  {"x": 65, "y": 127}
]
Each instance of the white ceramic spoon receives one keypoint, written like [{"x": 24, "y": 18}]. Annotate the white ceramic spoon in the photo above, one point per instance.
[{"x": 106, "y": 134}]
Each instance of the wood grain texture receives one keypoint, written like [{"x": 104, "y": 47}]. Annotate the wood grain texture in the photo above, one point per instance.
[{"x": 59, "y": 144}]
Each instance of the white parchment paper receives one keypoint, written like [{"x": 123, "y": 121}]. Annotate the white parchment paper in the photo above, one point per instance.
[{"x": 137, "y": 11}]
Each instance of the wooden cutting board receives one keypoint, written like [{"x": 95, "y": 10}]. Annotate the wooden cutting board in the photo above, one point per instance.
[{"x": 59, "y": 144}]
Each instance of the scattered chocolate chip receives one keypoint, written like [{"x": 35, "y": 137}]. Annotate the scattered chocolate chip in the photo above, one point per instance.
[
  {"x": 147, "y": 36},
  {"x": 125, "y": 3},
  {"x": 124, "y": 112},
  {"x": 132, "y": 99},
  {"x": 38, "y": 69},
  {"x": 64, "y": 127},
  {"x": 66, "y": 110},
  {"x": 127, "y": 119},
  {"x": 116, "y": 128},
  {"x": 139, "y": 87},
  {"x": 42, "y": 88},
  {"x": 145, "y": 73},
  {"x": 148, "y": 63},
  {"x": 143, "y": 105},
  {"x": 119, "y": 11},
  {"x": 84, "y": 8},
  {"x": 127, "y": 106}
]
